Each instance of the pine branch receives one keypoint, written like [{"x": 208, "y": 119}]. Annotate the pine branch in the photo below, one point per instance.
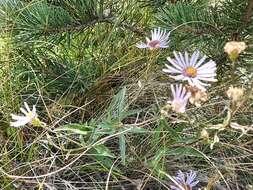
[
  {"x": 199, "y": 31},
  {"x": 69, "y": 28},
  {"x": 76, "y": 28},
  {"x": 110, "y": 20},
  {"x": 130, "y": 27}
]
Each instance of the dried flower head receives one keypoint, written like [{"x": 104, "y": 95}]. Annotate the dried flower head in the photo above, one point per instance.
[
  {"x": 180, "y": 98},
  {"x": 235, "y": 94},
  {"x": 197, "y": 96},
  {"x": 30, "y": 116},
  {"x": 233, "y": 49},
  {"x": 191, "y": 69},
  {"x": 204, "y": 134},
  {"x": 185, "y": 181},
  {"x": 159, "y": 39}
]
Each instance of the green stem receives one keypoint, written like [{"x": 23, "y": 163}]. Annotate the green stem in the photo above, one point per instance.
[{"x": 233, "y": 70}]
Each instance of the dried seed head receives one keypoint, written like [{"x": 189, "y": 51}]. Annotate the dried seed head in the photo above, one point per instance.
[
  {"x": 235, "y": 94},
  {"x": 204, "y": 134},
  {"x": 197, "y": 96}
]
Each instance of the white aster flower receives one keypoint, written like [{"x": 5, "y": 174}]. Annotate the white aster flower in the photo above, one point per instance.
[
  {"x": 180, "y": 98},
  {"x": 30, "y": 116},
  {"x": 191, "y": 69},
  {"x": 159, "y": 39}
]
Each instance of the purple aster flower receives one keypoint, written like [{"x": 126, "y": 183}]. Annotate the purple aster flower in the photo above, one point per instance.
[
  {"x": 191, "y": 69},
  {"x": 185, "y": 181},
  {"x": 159, "y": 39},
  {"x": 180, "y": 98}
]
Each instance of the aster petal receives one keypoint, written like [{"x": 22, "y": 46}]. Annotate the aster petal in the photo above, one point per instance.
[
  {"x": 154, "y": 34},
  {"x": 199, "y": 84},
  {"x": 194, "y": 58},
  {"x": 17, "y": 117},
  {"x": 174, "y": 187},
  {"x": 34, "y": 109},
  {"x": 187, "y": 96},
  {"x": 194, "y": 183},
  {"x": 186, "y": 57},
  {"x": 175, "y": 64},
  {"x": 179, "y": 77},
  {"x": 179, "y": 62},
  {"x": 190, "y": 177},
  {"x": 182, "y": 59},
  {"x": 23, "y": 111},
  {"x": 141, "y": 45},
  {"x": 158, "y": 34},
  {"x": 163, "y": 46},
  {"x": 27, "y": 107},
  {"x": 173, "y": 90},
  {"x": 200, "y": 61},
  {"x": 208, "y": 65},
  {"x": 178, "y": 91},
  {"x": 162, "y": 35},
  {"x": 183, "y": 92},
  {"x": 190, "y": 81},
  {"x": 20, "y": 123},
  {"x": 172, "y": 69},
  {"x": 206, "y": 69},
  {"x": 180, "y": 176},
  {"x": 147, "y": 40}
]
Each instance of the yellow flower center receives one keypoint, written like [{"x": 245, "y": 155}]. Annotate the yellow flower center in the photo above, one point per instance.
[
  {"x": 36, "y": 122},
  {"x": 190, "y": 72}
]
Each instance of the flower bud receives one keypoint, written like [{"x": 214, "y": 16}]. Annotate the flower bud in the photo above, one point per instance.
[
  {"x": 233, "y": 49},
  {"x": 204, "y": 134}
]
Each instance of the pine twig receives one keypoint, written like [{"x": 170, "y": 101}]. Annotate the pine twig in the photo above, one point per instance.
[{"x": 73, "y": 28}]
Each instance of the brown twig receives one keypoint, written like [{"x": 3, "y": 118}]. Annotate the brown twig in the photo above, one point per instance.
[
  {"x": 248, "y": 13},
  {"x": 245, "y": 20}
]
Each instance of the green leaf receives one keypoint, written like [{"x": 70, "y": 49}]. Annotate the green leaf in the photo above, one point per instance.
[
  {"x": 136, "y": 130},
  {"x": 185, "y": 151},
  {"x": 155, "y": 163},
  {"x": 74, "y": 128},
  {"x": 159, "y": 155},
  {"x": 122, "y": 147},
  {"x": 126, "y": 114},
  {"x": 117, "y": 104},
  {"x": 102, "y": 150}
]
